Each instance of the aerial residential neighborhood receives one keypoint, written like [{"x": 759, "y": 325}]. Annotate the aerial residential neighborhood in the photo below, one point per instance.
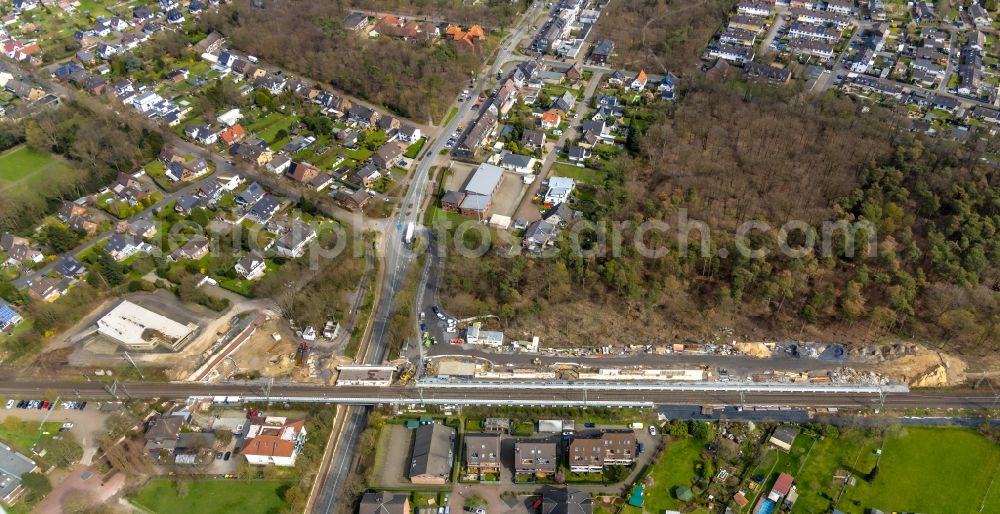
[{"x": 512, "y": 257}]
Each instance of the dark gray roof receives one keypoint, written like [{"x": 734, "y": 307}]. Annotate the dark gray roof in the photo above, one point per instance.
[
  {"x": 482, "y": 449},
  {"x": 432, "y": 451},
  {"x": 566, "y": 501},
  {"x": 383, "y": 502},
  {"x": 604, "y": 47},
  {"x": 68, "y": 266},
  {"x": 265, "y": 208}
]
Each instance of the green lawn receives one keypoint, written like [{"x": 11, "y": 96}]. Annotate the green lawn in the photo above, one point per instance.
[
  {"x": 161, "y": 496},
  {"x": 22, "y": 435},
  {"x": 413, "y": 150},
  {"x": 268, "y": 126},
  {"x": 933, "y": 470},
  {"x": 24, "y": 169},
  {"x": 852, "y": 449},
  {"x": 451, "y": 114},
  {"x": 584, "y": 175},
  {"x": 675, "y": 468}
]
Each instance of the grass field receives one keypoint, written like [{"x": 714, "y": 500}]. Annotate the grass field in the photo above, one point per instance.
[
  {"x": 258, "y": 497},
  {"x": 675, "y": 468},
  {"x": 22, "y": 435},
  {"x": 584, "y": 175},
  {"x": 932, "y": 470},
  {"x": 23, "y": 169}
]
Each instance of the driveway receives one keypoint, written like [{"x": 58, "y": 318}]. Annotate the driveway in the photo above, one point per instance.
[
  {"x": 99, "y": 488},
  {"x": 491, "y": 494}
]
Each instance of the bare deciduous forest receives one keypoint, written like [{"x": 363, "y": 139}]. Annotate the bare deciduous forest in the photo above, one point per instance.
[
  {"x": 415, "y": 79},
  {"x": 728, "y": 153},
  {"x": 660, "y": 35}
]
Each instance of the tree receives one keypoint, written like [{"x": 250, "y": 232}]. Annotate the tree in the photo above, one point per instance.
[
  {"x": 700, "y": 430},
  {"x": 263, "y": 99},
  {"x": 109, "y": 269},
  {"x": 615, "y": 474},
  {"x": 36, "y": 486},
  {"x": 64, "y": 451},
  {"x": 224, "y": 437},
  {"x": 59, "y": 239}
]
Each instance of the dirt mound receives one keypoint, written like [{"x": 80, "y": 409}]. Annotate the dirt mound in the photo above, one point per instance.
[
  {"x": 756, "y": 350},
  {"x": 926, "y": 369}
]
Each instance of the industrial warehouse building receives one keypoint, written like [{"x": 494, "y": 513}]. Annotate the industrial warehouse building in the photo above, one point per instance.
[
  {"x": 433, "y": 452},
  {"x": 138, "y": 328}
]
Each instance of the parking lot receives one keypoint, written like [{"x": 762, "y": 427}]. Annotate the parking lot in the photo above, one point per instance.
[{"x": 88, "y": 424}]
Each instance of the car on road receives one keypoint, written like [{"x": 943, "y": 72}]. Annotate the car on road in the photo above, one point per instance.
[{"x": 10, "y": 404}]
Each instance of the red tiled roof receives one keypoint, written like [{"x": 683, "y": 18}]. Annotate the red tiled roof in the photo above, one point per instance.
[{"x": 784, "y": 483}]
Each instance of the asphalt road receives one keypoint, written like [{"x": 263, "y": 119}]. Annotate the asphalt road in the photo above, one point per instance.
[{"x": 338, "y": 463}]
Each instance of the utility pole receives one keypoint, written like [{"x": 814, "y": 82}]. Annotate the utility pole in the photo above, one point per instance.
[
  {"x": 46, "y": 418},
  {"x": 129, "y": 357},
  {"x": 267, "y": 390}
]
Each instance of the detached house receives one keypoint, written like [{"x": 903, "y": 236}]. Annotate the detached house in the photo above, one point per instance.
[
  {"x": 194, "y": 249},
  {"x": 550, "y": 120},
  {"x": 233, "y": 134},
  {"x": 201, "y": 133},
  {"x": 363, "y": 115},
  {"x": 294, "y": 239},
  {"x": 274, "y": 440},
  {"x": 19, "y": 250},
  {"x": 121, "y": 247},
  {"x": 251, "y": 266},
  {"x": 302, "y": 172},
  {"x": 387, "y": 155}
]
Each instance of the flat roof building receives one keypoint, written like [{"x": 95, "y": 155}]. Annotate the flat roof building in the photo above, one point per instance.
[{"x": 142, "y": 329}]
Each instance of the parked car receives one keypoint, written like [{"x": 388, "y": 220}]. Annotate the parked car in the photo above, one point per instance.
[
  {"x": 652, "y": 430},
  {"x": 227, "y": 455},
  {"x": 641, "y": 449},
  {"x": 10, "y": 403},
  {"x": 68, "y": 425}
]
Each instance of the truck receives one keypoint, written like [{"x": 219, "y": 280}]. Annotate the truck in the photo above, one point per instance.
[{"x": 408, "y": 238}]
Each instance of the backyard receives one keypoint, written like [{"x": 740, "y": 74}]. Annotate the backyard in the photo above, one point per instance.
[
  {"x": 675, "y": 468},
  {"x": 167, "y": 497},
  {"x": 582, "y": 175}
]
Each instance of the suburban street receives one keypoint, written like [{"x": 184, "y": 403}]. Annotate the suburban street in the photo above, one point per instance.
[{"x": 396, "y": 257}]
